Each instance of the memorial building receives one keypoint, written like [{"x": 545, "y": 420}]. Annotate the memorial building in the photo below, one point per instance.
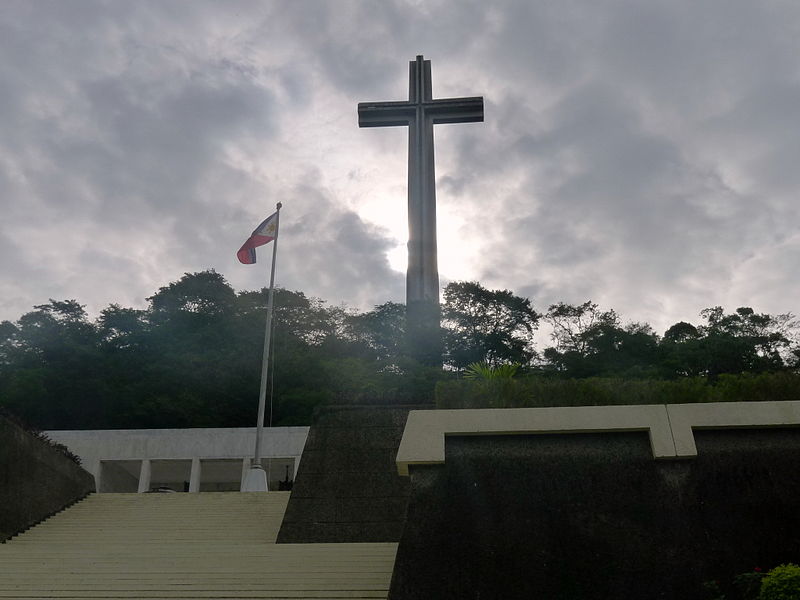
[{"x": 184, "y": 460}]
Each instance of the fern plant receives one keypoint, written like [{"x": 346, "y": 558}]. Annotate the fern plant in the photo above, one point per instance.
[{"x": 482, "y": 370}]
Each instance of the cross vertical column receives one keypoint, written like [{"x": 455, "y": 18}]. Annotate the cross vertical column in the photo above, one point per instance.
[
  {"x": 420, "y": 113},
  {"x": 423, "y": 317},
  {"x": 422, "y": 280}
]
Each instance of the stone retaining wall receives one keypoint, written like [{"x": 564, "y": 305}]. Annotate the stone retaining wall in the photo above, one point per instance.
[
  {"x": 347, "y": 488},
  {"x": 36, "y": 480},
  {"x": 595, "y": 516}
]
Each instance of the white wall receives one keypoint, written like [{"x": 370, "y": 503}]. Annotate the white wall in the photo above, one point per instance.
[{"x": 94, "y": 446}]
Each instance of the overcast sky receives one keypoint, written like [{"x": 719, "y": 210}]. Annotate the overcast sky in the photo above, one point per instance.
[{"x": 644, "y": 155}]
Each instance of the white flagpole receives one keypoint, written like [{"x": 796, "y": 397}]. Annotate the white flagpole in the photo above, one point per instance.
[{"x": 256, "y": 480}]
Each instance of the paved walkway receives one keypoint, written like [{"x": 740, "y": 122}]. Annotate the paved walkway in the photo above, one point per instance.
[{"x": 205, "y": 545}]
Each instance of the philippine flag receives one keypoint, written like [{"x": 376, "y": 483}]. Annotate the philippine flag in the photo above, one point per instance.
[{"x": 263, "y": 234}]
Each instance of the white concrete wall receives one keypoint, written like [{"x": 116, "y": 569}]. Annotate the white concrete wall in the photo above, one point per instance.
[{"x": 94, "y": 446}]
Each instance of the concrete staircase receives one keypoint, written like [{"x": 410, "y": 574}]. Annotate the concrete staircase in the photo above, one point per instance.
[{"x": 205, "y": 545}]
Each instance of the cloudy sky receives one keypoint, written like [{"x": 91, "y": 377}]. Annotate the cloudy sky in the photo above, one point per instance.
[{"x": 644, "y": 155}]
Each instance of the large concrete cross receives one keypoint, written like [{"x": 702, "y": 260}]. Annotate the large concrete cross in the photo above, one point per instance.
[{"x": 420, "y": 113}]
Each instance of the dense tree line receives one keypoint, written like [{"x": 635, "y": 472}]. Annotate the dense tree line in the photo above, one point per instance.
[{"x": 192, "y": 357}]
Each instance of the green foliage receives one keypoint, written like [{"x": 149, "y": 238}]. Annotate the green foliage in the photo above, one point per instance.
[
  {"x": 743, "y": 341},
  {"x": 748, "y": 585},
  {"x": 713, "y": 590},
  {"x": 745, "y": 586},
  {"x": 590, "y": 343},
  {"x": 491, "y": 326},
  {"x": 193, "y": 357},
  {"x": 205, "y": 294},
  {"x": 495, "y": 385},
  {"x": 781, "y": 583},
  {"x": 539, "y": 391},
  {"x": 379, "y": 333},
  {"x": 576, "y": 326},
  {"x": 484, "y": 371}
]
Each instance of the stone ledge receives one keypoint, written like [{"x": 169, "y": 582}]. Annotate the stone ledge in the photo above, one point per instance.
[
  {"x": 670, "y": 427},
  {"x": 684, "y": 418}
]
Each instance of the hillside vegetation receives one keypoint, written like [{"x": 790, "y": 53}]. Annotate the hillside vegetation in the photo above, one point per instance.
[{"x": 192, "y": 358}]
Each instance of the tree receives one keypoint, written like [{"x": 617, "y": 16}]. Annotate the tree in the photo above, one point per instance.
[
  {"x": 193, "y": 356},
  {"x": 8, "y": 335},
  {"x": 489, "y": 326},
  {"x": 122, "y": 327},
  {"x": 205, "y": 294},
  {"x": 52, "y": 373},
  {"x": 769, "y": 335},
  {"x": 574, "y": 330},
  {"x": 590, "y": 342},
  {"x": 742, "y": 341},
  {"x": 574, "y": 326},
  {"x": 379, "y": 333},
  {"x": 681, "y": 332}
]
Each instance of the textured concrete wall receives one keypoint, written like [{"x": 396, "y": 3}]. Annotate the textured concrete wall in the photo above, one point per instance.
[
  {"x": 35, "y": 480},
  {"x": 347, "y": 488},
  {"x": 594, "y": 516}
]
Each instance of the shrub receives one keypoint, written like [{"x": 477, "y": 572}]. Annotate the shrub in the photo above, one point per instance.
[
  {"x": 749, "y": 584},
  {"x": 538, "y": 390},
  {"x": 713, "y": 590},
  {"x": 781, "y": 583}
]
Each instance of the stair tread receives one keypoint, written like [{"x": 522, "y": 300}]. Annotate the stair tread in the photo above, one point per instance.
[{"x": 205, "y": 545}]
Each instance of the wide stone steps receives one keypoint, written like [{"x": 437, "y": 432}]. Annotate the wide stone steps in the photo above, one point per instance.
[{"x": 206, "y": 545}]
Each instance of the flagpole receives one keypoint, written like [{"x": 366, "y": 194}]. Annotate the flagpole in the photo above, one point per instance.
[{"x": 256, "y": 480}]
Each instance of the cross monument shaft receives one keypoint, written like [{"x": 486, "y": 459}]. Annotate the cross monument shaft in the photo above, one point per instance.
[{"x": 420, "y": 113}]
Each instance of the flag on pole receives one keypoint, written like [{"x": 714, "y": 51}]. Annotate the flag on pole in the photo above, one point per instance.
[{"x": 263, "y": 234}]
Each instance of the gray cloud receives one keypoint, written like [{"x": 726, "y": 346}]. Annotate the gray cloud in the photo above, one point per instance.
[{"x": 641, "y": 155}]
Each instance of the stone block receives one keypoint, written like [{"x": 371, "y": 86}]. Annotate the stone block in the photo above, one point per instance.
[
  {"x": 370, "y": 510},
  {"x": 338, "y": 533},
  {"x": 323, "y": 510},
  {"x": 348, "y": 467}
]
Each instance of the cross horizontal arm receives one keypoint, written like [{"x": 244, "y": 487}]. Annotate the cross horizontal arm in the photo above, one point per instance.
[
  {"x": 443, "y": 110},
  {"x": 385, "y": 114},
  {"x": 456, "y": 110}
]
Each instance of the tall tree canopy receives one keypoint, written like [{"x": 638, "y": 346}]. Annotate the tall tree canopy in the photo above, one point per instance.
[
  {"x": 742, "y": 341},
  {"x": 491, "y": 326},
  {"x": 591, "y": 342},
  {"x": 193, "y": 356}
]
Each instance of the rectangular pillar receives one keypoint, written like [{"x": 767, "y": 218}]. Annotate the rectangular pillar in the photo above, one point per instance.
[
  {"x": 144, "y": 476},
  {"x": 194, "y": 475},
  {"x": 97, "y": 471},
  {"x": 245, "y": 469}
]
